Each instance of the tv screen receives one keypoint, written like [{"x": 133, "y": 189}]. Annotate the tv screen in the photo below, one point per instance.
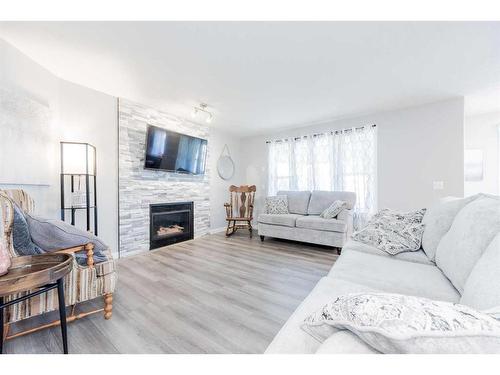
[{"x": 170, "y": 151}]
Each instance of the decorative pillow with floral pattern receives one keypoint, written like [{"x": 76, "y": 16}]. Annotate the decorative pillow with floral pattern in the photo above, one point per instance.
[
  {"x": 393, "y": 232},
  {"x": 277, "y": 204},
  {"x": 396, "y": 323}
]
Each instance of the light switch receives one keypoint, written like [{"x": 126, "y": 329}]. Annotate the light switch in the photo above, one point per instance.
[{"x": 438, "y": 185}]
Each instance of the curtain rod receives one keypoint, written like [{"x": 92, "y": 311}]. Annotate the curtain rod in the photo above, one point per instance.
[{"x": 319, "y": 134}]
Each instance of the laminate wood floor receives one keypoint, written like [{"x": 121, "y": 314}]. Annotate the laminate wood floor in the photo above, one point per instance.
[{"x": 209, "y": 295}]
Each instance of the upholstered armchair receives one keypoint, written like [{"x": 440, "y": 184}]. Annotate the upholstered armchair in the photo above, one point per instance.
[{"x": 82, "y": 284}]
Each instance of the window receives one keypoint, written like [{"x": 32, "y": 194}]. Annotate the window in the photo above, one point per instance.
[{"x": 344, "y": 160}]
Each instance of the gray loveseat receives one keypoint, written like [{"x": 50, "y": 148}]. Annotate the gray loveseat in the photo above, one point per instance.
[
  {"x": 459, "y": 262},
  {"x": 303, "y": 222}
]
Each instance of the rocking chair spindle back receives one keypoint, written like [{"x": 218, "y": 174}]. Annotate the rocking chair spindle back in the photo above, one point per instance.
[{"x": 239, "y": 210}]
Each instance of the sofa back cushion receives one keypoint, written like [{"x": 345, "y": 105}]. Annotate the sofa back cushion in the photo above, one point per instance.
[
  {"x": 482, "y": 289},
  {"x": 472, "y": 231},
  {"x": 297, "y": 201},
  {"x": 321, "y": 200},
  {"x": 438, "y": 220}
]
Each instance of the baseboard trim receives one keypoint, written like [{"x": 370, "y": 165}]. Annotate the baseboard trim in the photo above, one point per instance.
[{"x": 217, "y": 230}]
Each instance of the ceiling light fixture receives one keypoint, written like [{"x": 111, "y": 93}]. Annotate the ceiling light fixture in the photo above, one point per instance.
[{"x": 203, "y": 109}]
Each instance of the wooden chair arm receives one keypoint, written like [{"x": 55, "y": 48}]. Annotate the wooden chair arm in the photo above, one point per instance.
[{"x": 89, "y": 248}]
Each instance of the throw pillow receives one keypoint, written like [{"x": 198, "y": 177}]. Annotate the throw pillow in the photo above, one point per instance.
[
  {"x": 393, "y": 232},
  {"x": 21, "y": 237},
  {"x": 335, "y": 208},
  {"x": 395, "y": 323},
  {"x": 52, "y": 235},
  {"x": 277, "y": 204}
]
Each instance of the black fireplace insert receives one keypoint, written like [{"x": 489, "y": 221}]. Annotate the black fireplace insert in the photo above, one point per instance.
[{"x": 170, "y": 223}]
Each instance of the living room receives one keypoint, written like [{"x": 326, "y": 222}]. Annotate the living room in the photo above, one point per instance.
[{"x": 327, "y": 187}]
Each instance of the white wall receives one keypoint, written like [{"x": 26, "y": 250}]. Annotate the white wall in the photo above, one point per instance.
[
  {"x": 78, "y": 114},
  {"x": 416, "y": 146},
  {"x": 85, "y": 115},
  {"x": 481, "y": 132},
  {"x": 219, "y": 188}
]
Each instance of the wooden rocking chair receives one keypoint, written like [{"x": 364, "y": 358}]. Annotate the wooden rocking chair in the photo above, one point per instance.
[{"x": 239, "y": 210}]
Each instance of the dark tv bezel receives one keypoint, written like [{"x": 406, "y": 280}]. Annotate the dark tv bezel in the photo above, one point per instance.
[{"x": 172, "y": 170}]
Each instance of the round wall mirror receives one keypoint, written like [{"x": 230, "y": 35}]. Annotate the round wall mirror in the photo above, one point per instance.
[{"x": 225, "y": 167}]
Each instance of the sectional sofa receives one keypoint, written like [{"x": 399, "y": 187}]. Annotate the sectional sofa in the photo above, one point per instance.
[
  {"x": 303, "y": 222},
  {"x": 459, "y": 262}
]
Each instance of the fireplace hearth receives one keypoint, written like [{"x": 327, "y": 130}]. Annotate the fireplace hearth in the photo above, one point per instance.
[{"x": 170, "y": 223}]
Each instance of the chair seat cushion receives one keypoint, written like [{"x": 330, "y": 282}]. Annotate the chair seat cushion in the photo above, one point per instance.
[
  {"x": 318, "y": 223},
  {"x": 287, "y": 220}
]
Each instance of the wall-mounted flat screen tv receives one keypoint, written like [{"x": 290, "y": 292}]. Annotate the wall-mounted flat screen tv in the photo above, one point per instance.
[{"x": 174, "y": 152}]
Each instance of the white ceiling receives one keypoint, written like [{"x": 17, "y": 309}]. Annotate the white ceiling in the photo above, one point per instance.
[{"x": 263, "y": 76}]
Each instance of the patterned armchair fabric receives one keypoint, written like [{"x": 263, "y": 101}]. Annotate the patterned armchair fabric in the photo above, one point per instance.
[{"x": 83, "y": 283}]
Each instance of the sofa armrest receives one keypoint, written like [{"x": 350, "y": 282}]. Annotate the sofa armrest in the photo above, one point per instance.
[{"x": 348, "y": 217}]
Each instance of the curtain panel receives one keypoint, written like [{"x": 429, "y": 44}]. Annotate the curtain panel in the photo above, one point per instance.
[{"x": 337, "y": 161}]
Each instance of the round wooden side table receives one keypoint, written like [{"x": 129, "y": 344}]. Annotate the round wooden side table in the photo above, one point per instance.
[{"x": 37, "y": 273}]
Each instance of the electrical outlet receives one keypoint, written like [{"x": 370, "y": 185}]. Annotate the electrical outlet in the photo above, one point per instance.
[{"x": 438, "y": 185}]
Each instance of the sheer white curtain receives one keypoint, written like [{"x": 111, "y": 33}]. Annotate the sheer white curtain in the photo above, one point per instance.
[{"x": 342, "y": 160}]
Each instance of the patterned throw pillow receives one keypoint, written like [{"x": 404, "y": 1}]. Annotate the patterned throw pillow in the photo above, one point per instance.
[
  {"x": 335, "y": 208},
  {"x": 393, "y": 232},
  {"x": 277, "y": 204},
  {"x": 395, "y": 323}
]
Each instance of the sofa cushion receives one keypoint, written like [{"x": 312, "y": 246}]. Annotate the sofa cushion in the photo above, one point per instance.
[
  {"x": 321, "y": 200},
  {"x": 482, "y": 289},
  {"x": 472, "y": 231},
  {"x": 345, "y": 342},
  {"x": 438, "y": 220},
  {"x": 318, "y": 223},
  {"x": 391, "y": 275},
  {"x": 409, "y": 256},
  {"x": 287, "y": 220},
  {"x": 291, "y": 339},
  {"x": 319, "y": 237},
  {"x": 297, "y": 201}
]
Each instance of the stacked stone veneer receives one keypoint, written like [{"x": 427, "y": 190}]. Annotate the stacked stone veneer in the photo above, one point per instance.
[{"x": 138, "y": 187}]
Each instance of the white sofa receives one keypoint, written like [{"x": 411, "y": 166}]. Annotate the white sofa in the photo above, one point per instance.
[
  {"x": 459, "y": 262},
  {"x": 303, "y": 222}
]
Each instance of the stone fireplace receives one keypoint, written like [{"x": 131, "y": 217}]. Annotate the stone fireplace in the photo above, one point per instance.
[
  {"x": 170, "y": 223},
  {"x": 141, "y": 189}
]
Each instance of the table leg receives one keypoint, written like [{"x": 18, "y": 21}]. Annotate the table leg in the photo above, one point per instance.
[
  {"x": 1, "y": 325},
  {"x": 62, "y": 313}
]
